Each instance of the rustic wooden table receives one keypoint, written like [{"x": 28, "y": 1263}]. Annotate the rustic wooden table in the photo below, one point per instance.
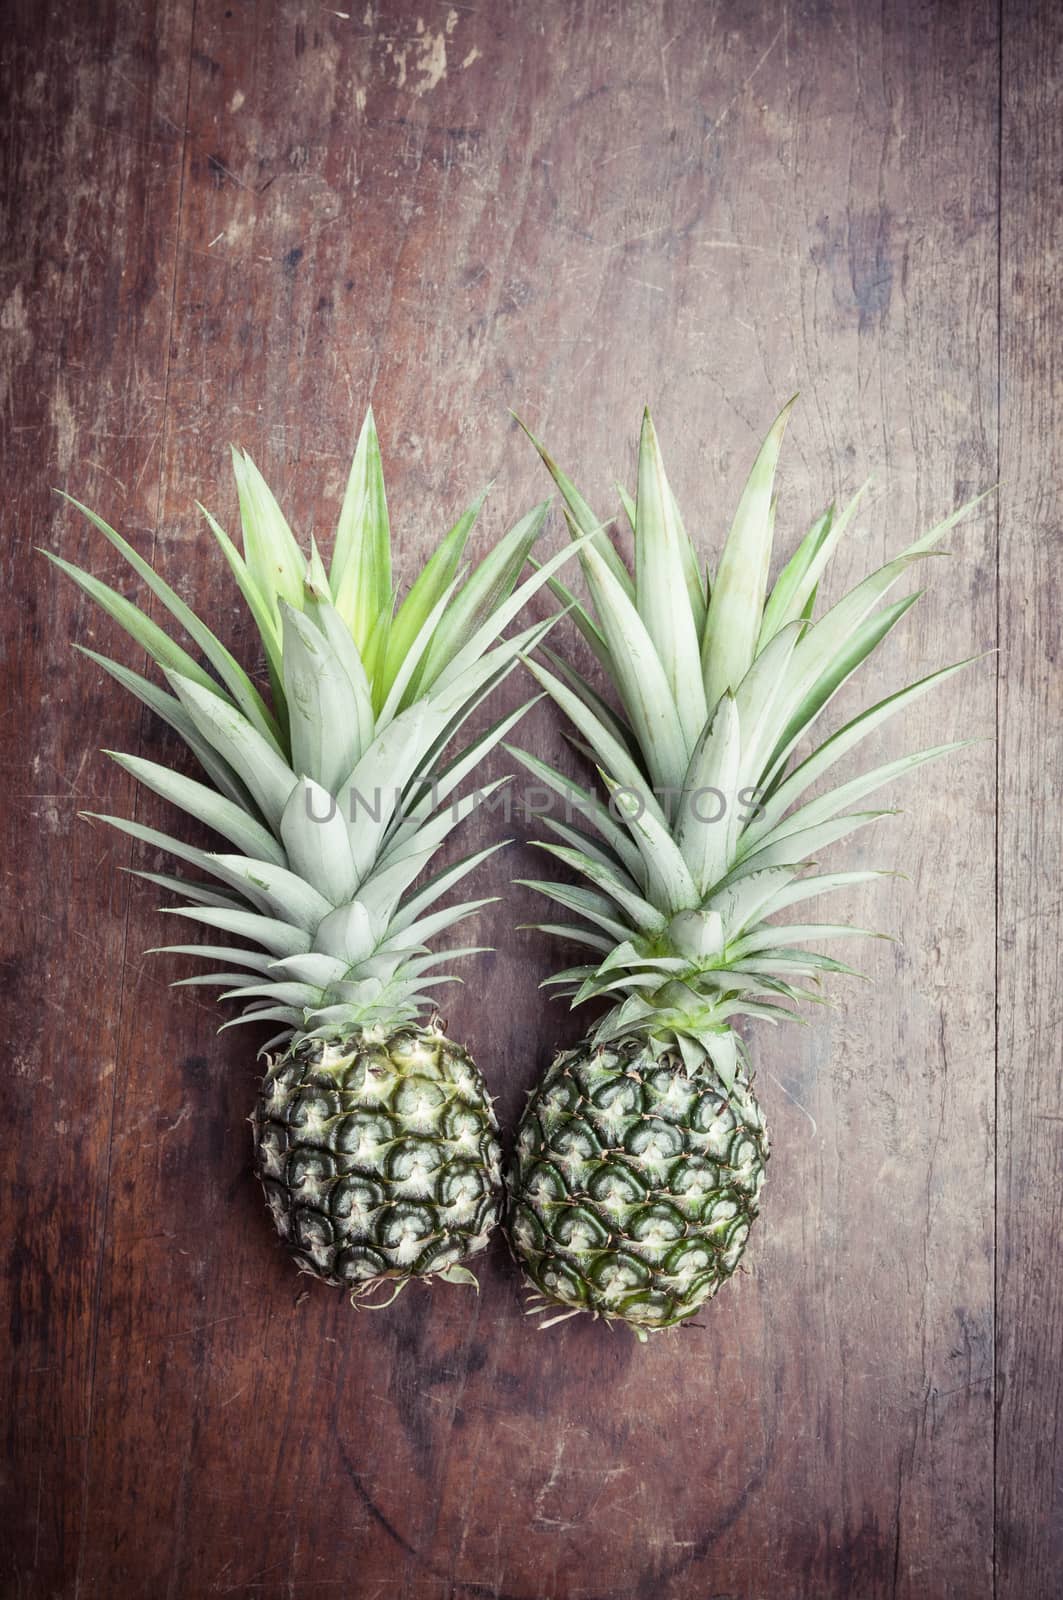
[{"x": 243, "y": 222}]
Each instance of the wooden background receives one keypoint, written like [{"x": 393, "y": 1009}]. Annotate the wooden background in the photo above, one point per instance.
[{"x": 244, "y": 221}]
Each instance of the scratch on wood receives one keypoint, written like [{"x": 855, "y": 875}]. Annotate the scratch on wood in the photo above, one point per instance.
[{"x": 744, "y": 85}]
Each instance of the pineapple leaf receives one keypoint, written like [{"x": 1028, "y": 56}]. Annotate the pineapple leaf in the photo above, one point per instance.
[
  {"x": 762, "y": 701},
  {"x": 208, "y": 807},
  {"x": 576, "y": 839},
  {"x": 360, "y": 574},
  {"x": 770, "y": 939},
  {"x": 628, "y": 955},
  {"x": 724, "y": 1050},
  {"x": 440, "y": 786},
  {"x": 430, "y": 835},
  {"x": 803, "y": 844},
  {"x": 434, "y": 958},
  {"x": 219, "y": 980},
  {"x": 714, "y": 770},
  {"x": 459, "y": 699},
  {"x": 580, "y": 615},
  {"x": 583, "y": 516},
  {"x": 314, "y": 968},
  {"x": 375, "y": 653},
  {"x": 733, "y": 622},
  {"x": 259, "y": 605},
  {"x": 316, "y": 588},
  {"x": 287, "y": 1014},
  {"x": 370, "y": 796},
  {"x": 791, "y": 579},
  {"x": 235, "y": 679},
  {"x": 283, "y": 893},
  {"x": 797, "y": 585},
  {"x": 793, "y": 893},
  {"x": 303, "y": 995},
  {"x": 640, "y": 676},
  {"x": 273, "y": 558},
  {"x": 152, "y": 837},
  {"x": 407, "y": 917},
  {"x": 612, "y": 755},
  {"x": 212, "y": 952},
  {"x": 669, "y": 877},
  {"x": 832, "y": 648},
  {"x": 808, "y": 702},
  {"x": 433, "y": 581},
  {"x": 349, "y": 934},
  {"x": 828, "y": 805},
  {"x": 581, "y": 800},
  {"x": 663, "y": 559},
  {"x": 346, "y": 653},
  {"x": 173, "y": 712},
  {"x": 397, "y": 695},
  {"x": 269, "y": 779},
  {"x": 325, "y": 737},
  {"x": 382, "y": 892},
  {"x": 163, "y": 650},
  {"x": 838, "y": 745},
  {"x": 614, "y": 721},
  {"x": 697, "y": 585},
  {"x": 279, "y": 938},
  {"x": 426, "y": 928},
  {"x": 315, "y": 838},
  {"x": 569, "y": 930},
  {"x": 585, "y": 902},
  {"x": 478, "y": 613},
  {"x": 472, "y": 650},
  {"x": 614, "y": 883},
  {"x": 201, "y": 893}
]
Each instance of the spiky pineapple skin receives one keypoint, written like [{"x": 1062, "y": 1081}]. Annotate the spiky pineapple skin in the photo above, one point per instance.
[
  {"x": 379, "y": 1155},
  {"x": 633, "y": 1185}
]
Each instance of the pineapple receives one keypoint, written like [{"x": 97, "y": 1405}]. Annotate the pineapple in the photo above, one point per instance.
[
  {"x": 641, "y": 1156},
  {"x": 374, "y": 1135}
]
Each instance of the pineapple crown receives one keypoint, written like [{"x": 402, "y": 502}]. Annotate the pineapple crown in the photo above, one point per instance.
[
  {"x": 335, "y": 796},
  {"x": 707, "y": 831}
]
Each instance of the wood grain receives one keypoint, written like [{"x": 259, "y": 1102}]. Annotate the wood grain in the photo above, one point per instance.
[
  {"x": 243, "y": 222},
  {"x": 1030, "y": 1040},
  {"x": 91, "y": 202}
]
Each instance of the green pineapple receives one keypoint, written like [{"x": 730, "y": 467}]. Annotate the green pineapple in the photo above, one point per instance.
[
  {"x": 641, "y": 1155},
  {"x": 375, "y": 1138}
]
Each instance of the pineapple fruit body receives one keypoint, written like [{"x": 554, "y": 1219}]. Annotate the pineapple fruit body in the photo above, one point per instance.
[
  {"x": 634, "y": 1184},
  {"x": 379, "y": 1155}
]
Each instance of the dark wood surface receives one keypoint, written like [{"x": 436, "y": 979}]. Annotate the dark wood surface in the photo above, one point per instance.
[{"x": 243, "y": 222}]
